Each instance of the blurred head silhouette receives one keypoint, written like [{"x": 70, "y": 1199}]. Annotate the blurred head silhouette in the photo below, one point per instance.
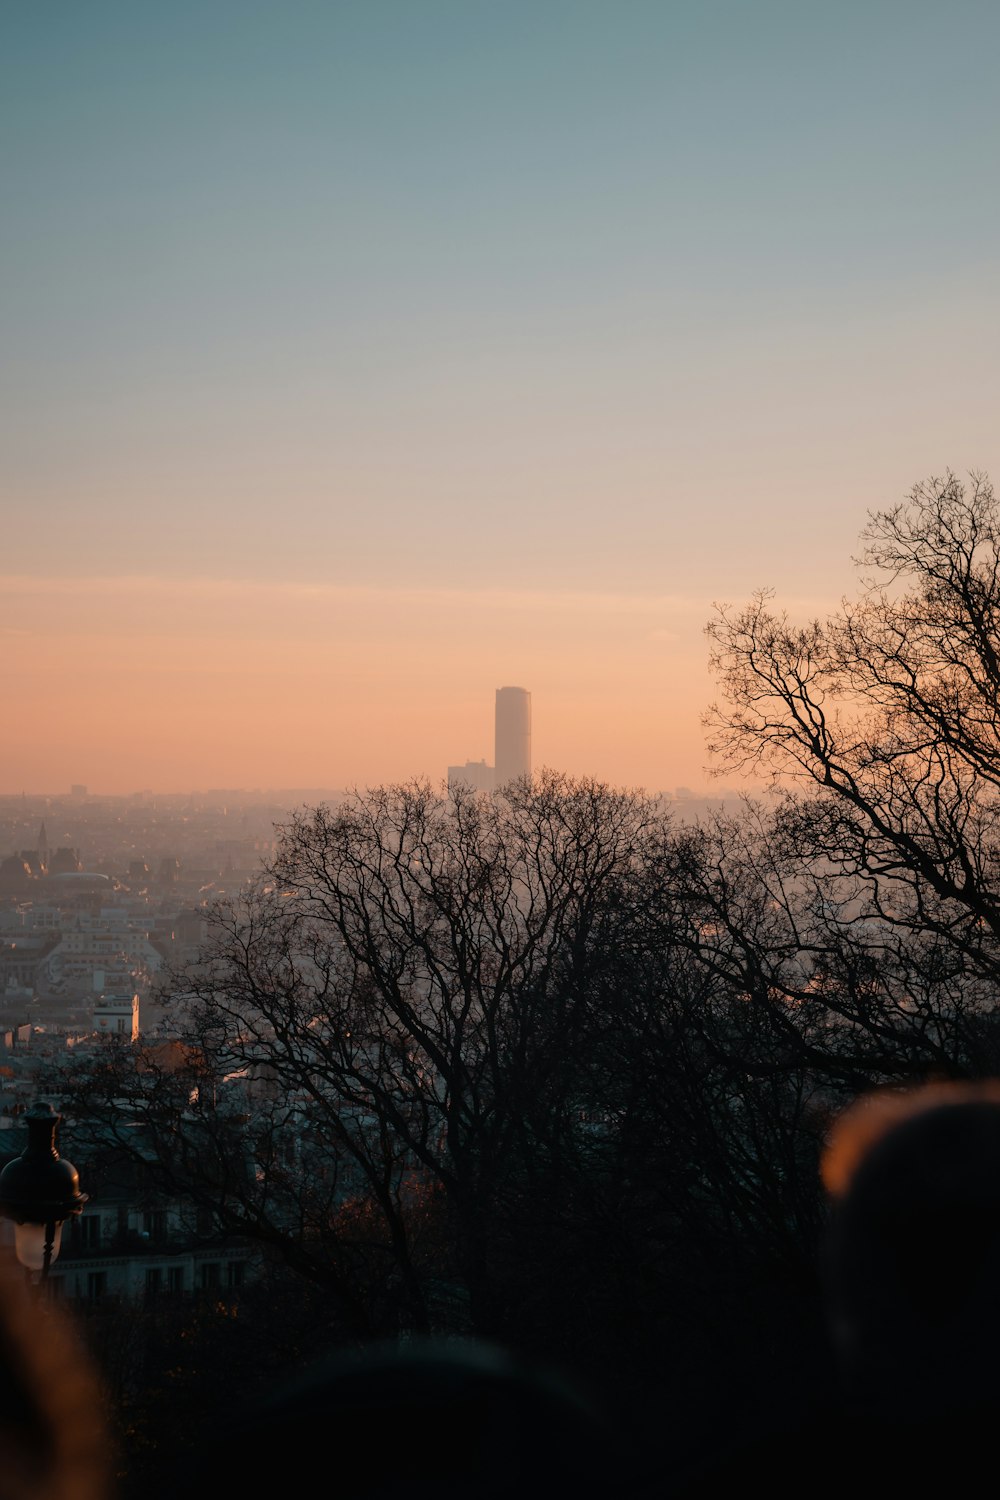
[
  {"x": 430, "y": 1419},
  {"x": 913, "y": 1252},
  {"x": 53, "y": 1436}
]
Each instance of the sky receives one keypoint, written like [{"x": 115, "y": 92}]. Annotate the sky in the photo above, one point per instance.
[{"x": 360, "y": 358}]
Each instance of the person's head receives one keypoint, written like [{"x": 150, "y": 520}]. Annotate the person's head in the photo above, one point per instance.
[
  {"x": 53, "y": 1436},
  {"x": 913, "y": 1252},
  {"x": 426, "y": 1419}
]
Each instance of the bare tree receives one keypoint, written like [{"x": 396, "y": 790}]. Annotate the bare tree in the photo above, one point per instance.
[
  {"x": 394, "y": 1032},
  {"x": 881, "y": 724}
]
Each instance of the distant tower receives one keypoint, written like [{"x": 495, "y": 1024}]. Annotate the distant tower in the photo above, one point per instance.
[{"x": 513, "y": 734}]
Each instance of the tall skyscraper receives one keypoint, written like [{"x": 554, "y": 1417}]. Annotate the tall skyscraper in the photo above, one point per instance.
[{"x": 512, "y": 734}]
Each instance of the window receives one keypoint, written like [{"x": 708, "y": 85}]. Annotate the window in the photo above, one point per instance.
[
  {"x": 154, "y": 1280},
  {"x": 155, "y": 1224},
  {"x": 175, "y": 1278},
  {"x": 97, "y": 1285},
  {"x": 87, "y": 1232},
  {"x": 236, "y": 1269},
  {"x": 210, "y": 1273}
]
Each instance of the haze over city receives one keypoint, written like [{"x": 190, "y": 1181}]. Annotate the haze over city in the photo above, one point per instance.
[{"x": 361, "y": 358}]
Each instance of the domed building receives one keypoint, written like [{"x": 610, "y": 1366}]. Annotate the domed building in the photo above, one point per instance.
[
  {"x": 65, "y": 861},
  {"x": 15, "y": 875}
]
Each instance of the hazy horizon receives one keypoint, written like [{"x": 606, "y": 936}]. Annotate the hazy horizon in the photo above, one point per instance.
[
  {"x": 364, "y": 357},
  {"x": 711, "y": 792}
]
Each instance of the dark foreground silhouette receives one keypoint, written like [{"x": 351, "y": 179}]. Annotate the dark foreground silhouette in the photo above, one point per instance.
[
  {"x": 911, "y": 1268},
  {"x": 427, "y": 1420},
  {"x": 53, "y": 1436}
]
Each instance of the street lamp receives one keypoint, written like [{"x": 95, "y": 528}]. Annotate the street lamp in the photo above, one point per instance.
[{"x": 38, "y": 1190}]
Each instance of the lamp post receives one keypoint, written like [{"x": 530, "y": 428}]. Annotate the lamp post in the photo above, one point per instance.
[{"x": 39, "y": 1191}]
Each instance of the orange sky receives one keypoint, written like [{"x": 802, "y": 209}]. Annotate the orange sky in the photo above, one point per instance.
[
  {"x": 362, "y": 358},
  {"x": 204, "y": 682}
]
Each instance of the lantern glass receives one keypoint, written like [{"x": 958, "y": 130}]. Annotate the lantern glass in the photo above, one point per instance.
[{"x": 29, "y": 1244}]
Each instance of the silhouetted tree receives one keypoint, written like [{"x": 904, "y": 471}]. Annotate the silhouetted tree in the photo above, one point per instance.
[
  {"x": 890, "y": 707},
  {"x": 880, "y": 859},
  {"x": 396, "y": 1032}
]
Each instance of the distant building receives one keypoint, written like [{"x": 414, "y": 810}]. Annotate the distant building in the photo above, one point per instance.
[
  {"x": 15, "y": 875},
  {"x": 476, "y": 775},
  {"x": 512, "y": 744},
  {"x": 117, "y": 1015},
  {"x": 65, "y": 861},
  {"x": 513, "y": 734}
]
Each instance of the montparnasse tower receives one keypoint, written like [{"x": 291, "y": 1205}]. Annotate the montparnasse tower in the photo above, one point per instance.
[{"x": 512, "y": 756}]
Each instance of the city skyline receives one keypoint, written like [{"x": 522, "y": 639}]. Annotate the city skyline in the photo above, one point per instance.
[
  {"x": 511, "y": 746},
  {"x": 359, "y": 356}
]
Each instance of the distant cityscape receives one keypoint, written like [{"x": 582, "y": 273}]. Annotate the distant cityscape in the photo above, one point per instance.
[
  {"x": 102, "y": 898},
  {"x": 100, "y": 895}
]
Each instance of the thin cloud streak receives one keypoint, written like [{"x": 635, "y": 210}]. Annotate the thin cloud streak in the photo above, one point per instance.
[{"x": 539, "y": 601}]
